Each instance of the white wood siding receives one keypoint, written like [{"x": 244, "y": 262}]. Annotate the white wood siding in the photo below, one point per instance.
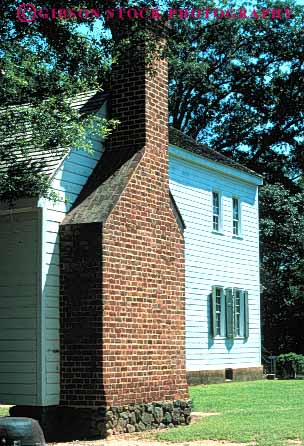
[
  {"x": 216, "y": 259},
  {"x": 19, "y": 309},
  {"x": 68, "y": 182}
]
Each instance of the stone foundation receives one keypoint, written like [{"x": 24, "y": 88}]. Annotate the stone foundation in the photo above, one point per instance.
[
  {"x": 198, "y": 377},
  {"x": 248, "y": 374},
  {"x": 219, "y": 376},
  {"x": 70, "y": 423},
  {"x": 141, "y": 417}
]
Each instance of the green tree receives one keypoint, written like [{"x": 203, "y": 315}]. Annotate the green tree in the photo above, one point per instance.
[
  {"x": 43, "y": 65},
  {"x": 282, "y": 255},
  {"x": 237, "y": 85}
]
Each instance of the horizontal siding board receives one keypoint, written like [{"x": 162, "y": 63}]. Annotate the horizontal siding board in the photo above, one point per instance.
[
  {"x": 18, "y": 323},
  {"x": 18, "y": 356},
  {"x": 19, "y": 345},
  {"x": 18, "y": 389},
  {"x": 216, "y": 259},
  {"x": 53, "y": 378},
  {"x": 11, "y": 313},
  {"x": 18, "y": 307},
  {"x": 52, "y": 367},
  {"x": 10, "y": 367},
  {"x": 68, "y": 182},
  {"x": 17, "y": 378},
  {"x": 53, "y": 390},
  {"x": 17, "y": 334}
]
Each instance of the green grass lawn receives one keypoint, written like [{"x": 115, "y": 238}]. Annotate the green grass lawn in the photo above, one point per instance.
[{"x": 266, "y": 412}]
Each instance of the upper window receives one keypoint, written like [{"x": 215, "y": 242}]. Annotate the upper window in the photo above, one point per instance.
[
  {"x": 236, "y": 216},
  {"x": 216, "y": 212}
]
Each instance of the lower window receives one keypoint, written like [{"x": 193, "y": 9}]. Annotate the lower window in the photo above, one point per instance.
[{"x": 229, "y": 312}]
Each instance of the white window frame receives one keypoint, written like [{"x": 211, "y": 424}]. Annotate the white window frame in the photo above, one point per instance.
[
  {"x": 238, "y": 220},
  {"x": 238, "y": 315},
  {"x": 220, "y": 212},
  {"x": 221, "y": 333}
]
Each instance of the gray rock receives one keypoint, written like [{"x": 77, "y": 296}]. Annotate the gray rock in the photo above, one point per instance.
[
  {"x": 132, "y": 418},
  {"x": 109, "y": 425},
  {"x": 167, "y": 419},
  {"x": 175, "y": 417},
  {"x": 130, "y": 428},
  {"x": 109, "y": 415},
  {"x": 147, "y": 418},
  {"x": 141, "y": 426},
  {"x": 124, "y": 415},
  {"x": 182, "y": 419},
  {"x": 168, "y": 406},
  {"x": 138, "y": 414},
  {"x": 187, "y": 411},
  {"x": 158, "y": 414},
  {"x": 122, "y": 423},
  {"x": 149, "y": 408}
]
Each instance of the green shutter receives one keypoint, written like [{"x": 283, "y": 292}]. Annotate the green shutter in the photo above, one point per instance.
[
  {"x": 234, "y": 314},
  {"x": 213, "y": 311},
  {"x": 229, "y": 313},
  {"x": 246, "y": 315}
]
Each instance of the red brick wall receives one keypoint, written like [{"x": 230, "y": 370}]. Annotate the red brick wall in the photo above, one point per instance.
[
  {"x": 139, "y": 345},
  {"x": 143, "y": 256}
]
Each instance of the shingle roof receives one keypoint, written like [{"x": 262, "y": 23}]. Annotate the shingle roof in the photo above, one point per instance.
[
  {"x": 98, "y": 198},
  {"x": 87, "y": 102}
]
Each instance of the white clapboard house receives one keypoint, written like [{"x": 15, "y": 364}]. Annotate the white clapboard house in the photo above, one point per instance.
[{"x": 217, "y": 200}]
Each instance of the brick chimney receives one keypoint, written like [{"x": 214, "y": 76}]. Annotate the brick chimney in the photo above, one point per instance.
[{"x": 122, "y": 269}]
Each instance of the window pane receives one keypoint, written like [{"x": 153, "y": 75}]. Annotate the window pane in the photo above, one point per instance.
[
  {"x": 216, "y": 211},
  {"x": 235, "y": 228},
  {"x": 236, "y": 216},
  {"x": 218, "y": 311},
  {"x": 215, "y": 223},
  {"x": 236, "y": 208},
  {"x": 215, "y": 200},
  {"x": 238, "y": 313}
]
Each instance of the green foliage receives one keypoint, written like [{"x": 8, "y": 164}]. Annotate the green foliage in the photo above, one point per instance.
[
  {"x": 237, "y": 85},
  {"x": 4, "y": 411},
  {"x": 42, "y": 67},
  {"x": 289, "y": 365},
  {"x": 282, "y": 254},
  {"x": 265, "y": 413},
  {"x": 44, "y": 64}
]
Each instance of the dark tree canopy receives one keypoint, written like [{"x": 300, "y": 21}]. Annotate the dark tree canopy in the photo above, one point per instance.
[
  {"x": 235, "y": 84},
  {"x": 238, "y": 85}
]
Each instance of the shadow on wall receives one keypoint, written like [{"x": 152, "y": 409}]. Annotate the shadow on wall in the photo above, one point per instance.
[{"x": 82, "y": 395}]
